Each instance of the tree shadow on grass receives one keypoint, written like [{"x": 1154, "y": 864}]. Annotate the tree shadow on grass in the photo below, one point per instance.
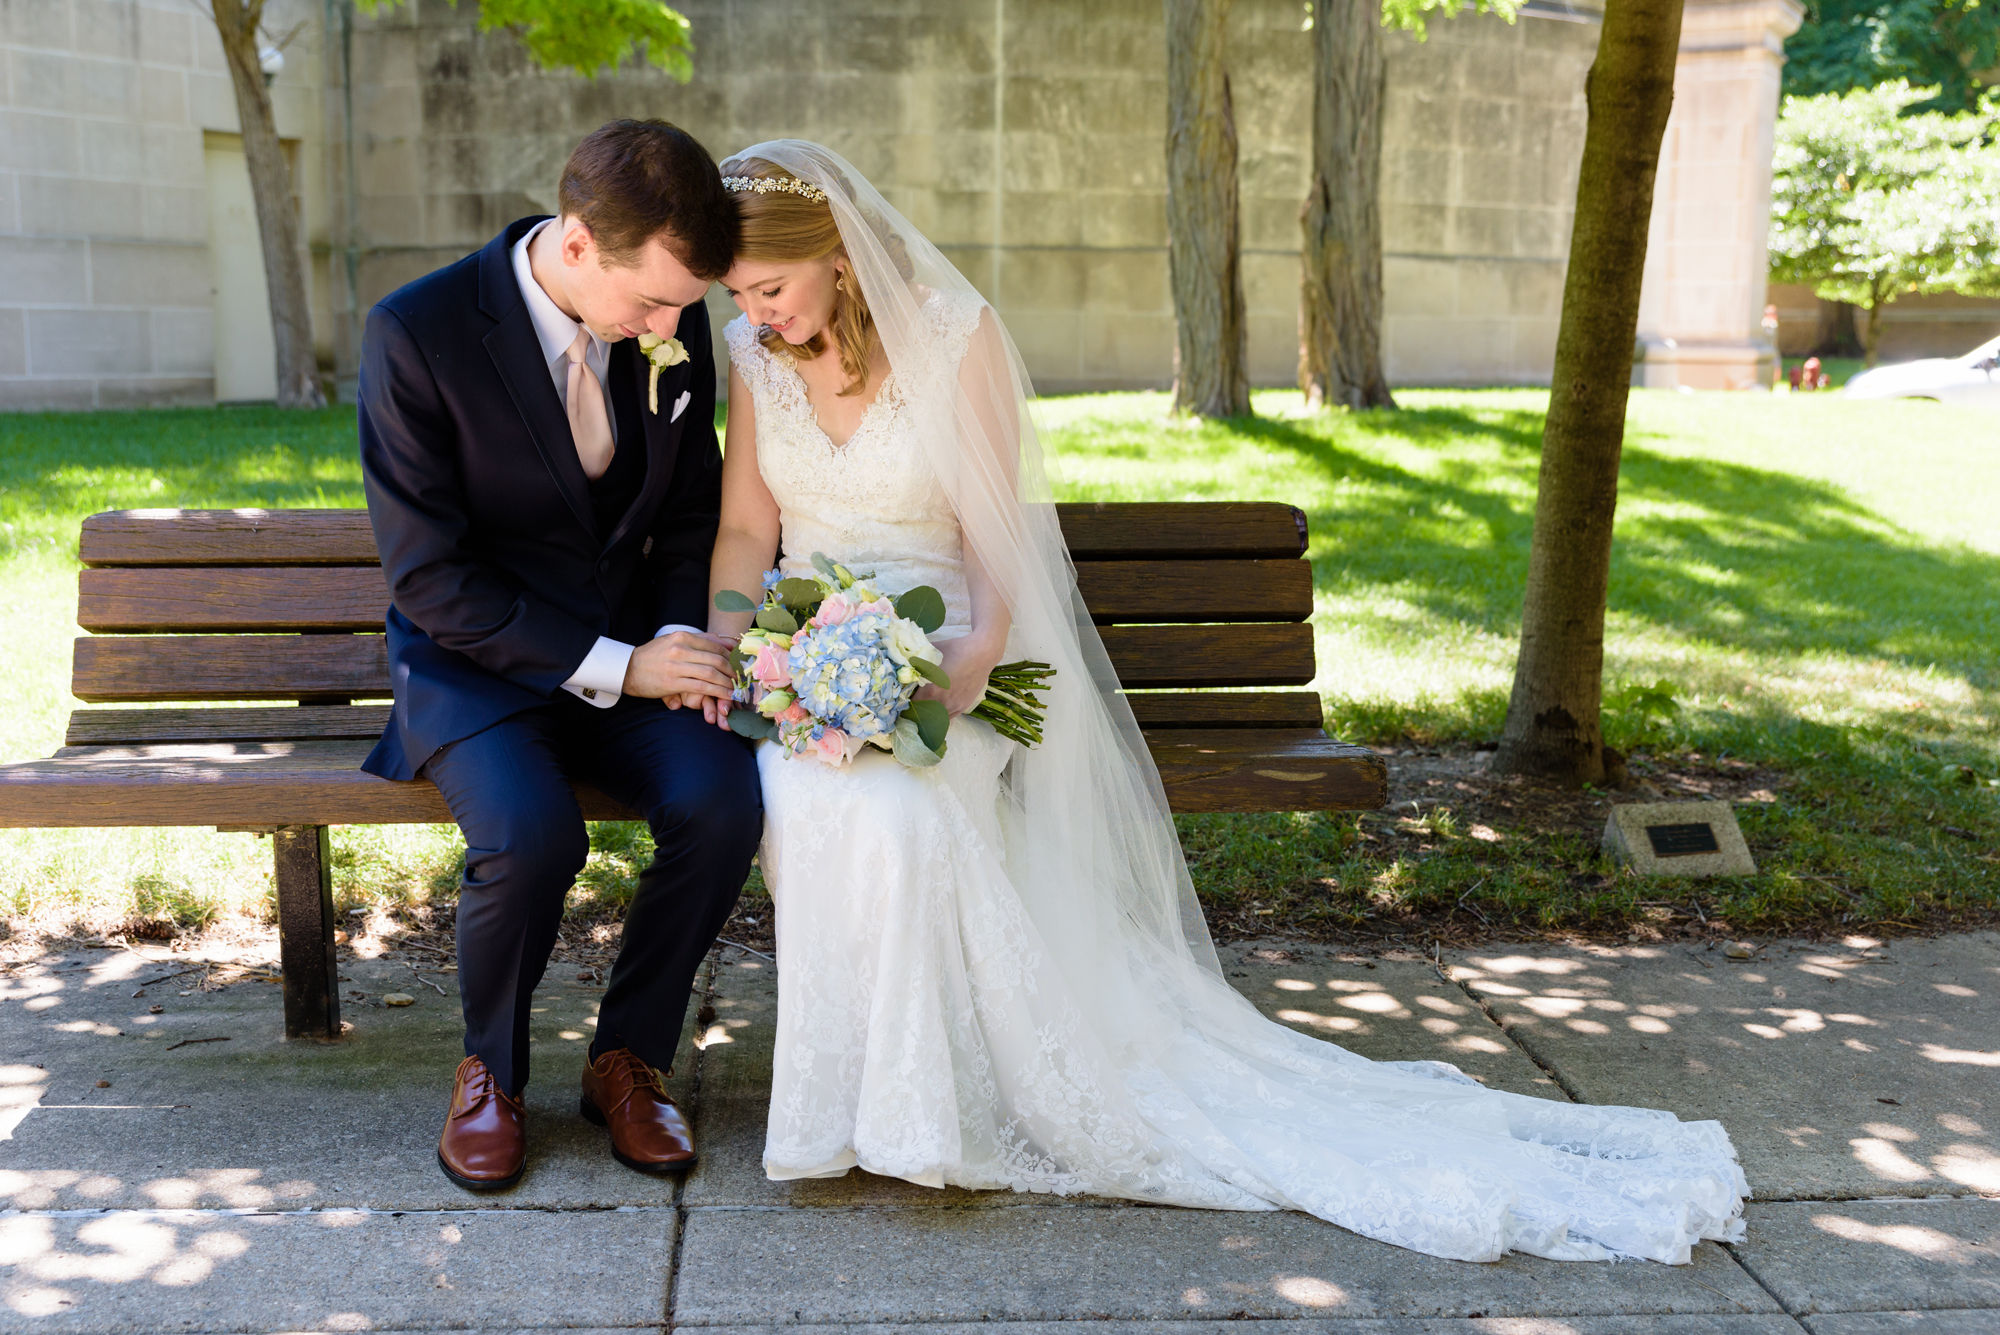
[{"x": 1740, "y": 557}]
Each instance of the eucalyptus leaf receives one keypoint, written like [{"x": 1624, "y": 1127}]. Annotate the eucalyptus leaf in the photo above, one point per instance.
[
  {"x": 729, "y": 600},
  {"x": 749, "y": 723},
  {"x": 778, "y": 619},
  {"x": 931, "y": 672},
  {"x": 923, "y": 605},
  {"x": 824, "y": 564},
  {"x": 799, "y": 594},
  {"x": 931, "y": 719},
  {"x": 906, "y": 743}
]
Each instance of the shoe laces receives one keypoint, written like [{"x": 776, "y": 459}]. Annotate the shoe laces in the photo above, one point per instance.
[
  {"x": 638, "y": 1075},
  {"x": 478, "y": 1086}
]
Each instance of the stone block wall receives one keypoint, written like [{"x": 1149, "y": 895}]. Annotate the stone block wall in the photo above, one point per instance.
[
  {"x": 1482, "y": 142},
  {"x": 1025, "y": 137},
  {"x": 104, "y": 242}
]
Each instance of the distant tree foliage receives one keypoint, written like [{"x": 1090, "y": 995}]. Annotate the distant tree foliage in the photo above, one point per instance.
[
  {"x": 586, "y": 35},
  {"x": 1940, "y": 45},
  {"x": 1872, "y": 199},
  {"x": 1408, "y": 15}
]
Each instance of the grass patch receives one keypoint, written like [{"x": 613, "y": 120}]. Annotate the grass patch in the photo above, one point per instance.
[{"x": 1816, "y": 582}]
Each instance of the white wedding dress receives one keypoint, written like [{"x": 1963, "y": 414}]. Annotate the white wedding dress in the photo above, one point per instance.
[{"x": 928, "y": 1031}]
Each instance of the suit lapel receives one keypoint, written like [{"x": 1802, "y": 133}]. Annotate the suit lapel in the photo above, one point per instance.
[
  {"x": 517, "y": 354},
  {"x": 663, "y": 433}
]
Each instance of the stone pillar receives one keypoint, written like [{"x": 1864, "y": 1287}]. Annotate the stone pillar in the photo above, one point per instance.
[{"x": 1707, "y": 260}]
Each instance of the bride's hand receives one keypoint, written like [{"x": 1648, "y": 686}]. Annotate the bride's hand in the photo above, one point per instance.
[
  {"x": 715, "y": 710},
  {"x": 968, "y": 661}
]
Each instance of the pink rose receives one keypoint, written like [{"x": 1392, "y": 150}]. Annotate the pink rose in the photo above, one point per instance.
[
  {"x": 833, "y": 612},
  {"x": 882, "y": 605},
  {"x": 794, "y": 713},
  {"x": 831, "y": 746},
  {"x": 771, "y": 668}
]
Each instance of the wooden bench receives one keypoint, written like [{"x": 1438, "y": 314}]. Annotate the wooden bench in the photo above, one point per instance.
[{"x": 286, "y": 606}]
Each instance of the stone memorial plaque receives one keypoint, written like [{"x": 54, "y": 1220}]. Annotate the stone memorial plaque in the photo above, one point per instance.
[{"x": 1678, "y": 839}]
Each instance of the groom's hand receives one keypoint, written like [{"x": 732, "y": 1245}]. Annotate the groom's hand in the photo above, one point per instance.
[{"x": 677, "y": 666}]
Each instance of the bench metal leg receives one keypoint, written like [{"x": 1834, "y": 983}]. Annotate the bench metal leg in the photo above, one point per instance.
[{"x": 305, "y": 931}]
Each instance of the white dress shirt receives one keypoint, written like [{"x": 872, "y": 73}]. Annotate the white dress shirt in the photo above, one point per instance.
[{"x": 600, "y": 678}]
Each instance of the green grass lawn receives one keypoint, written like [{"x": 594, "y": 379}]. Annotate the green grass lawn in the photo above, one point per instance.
[{"x": 1817, "y": 581}]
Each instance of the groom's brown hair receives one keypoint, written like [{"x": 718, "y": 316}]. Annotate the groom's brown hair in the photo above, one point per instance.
[{"x": 632, "y": 181}]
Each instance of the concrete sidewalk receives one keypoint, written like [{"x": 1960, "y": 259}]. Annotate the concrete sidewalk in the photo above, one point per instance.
[{"x": 251, "y": 1185}]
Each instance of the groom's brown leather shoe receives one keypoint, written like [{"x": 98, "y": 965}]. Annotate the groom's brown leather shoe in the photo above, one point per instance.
[
  {"x": 484, "y": 1145},
  {"x": 647, "y": 1131}
]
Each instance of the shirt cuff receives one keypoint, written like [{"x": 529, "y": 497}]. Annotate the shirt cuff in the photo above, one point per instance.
[
  {"x": 600, "y": 678},
  {"x": 668, "y": 630}
]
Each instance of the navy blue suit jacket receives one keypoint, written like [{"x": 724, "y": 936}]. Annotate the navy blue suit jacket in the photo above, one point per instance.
[{"x": 498, "y": 581}]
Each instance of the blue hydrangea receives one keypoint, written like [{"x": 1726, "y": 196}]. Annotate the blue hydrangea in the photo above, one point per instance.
[{"x": 844, "y": 675}]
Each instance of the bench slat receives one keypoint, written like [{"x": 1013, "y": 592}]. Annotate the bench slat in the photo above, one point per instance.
[
  {"x": 352, "y": 598},
  {"x": 1095, "y": 531},
  {"x": 210, "y": 598},
  {"x": 1226, "y": 709},
  {"x": 277, "y": 723},
  {"x": 321, "y": 782},
  {"x": 1183, "y": 591},
  {"x": 1260, "y": 655},
  {"x": 1182, "y": 530},
  {"x": 127, "y": 669},
  {"x": 114, "y": 669},
  {"x": 109, "y": 727},
  {"x": 246, "y": 783},
  {"x": 1261, "y": 770},
  {"x": 228, "y": 538}
]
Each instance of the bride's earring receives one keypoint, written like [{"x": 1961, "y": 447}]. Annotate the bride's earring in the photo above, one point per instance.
[{"x": 840, "y": 285}]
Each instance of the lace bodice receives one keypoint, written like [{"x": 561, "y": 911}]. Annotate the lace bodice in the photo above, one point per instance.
[{"x": 873, "y": 503}]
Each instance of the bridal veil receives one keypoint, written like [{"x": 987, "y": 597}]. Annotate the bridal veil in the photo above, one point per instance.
[
  {"x": 1093, "y": 849},
  {"x": 1242, "y": 1112}
]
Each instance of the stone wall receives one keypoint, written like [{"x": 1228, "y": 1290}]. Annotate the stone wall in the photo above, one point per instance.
[
  {"x": 1026, "y": 138},
  {"x": 105, "y": 260}
]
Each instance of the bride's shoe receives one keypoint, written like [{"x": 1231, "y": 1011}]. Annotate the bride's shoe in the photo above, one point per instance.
[{"x": 626, "y": 1095}]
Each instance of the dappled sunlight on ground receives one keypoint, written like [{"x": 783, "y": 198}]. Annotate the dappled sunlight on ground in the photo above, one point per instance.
[{"x": 1879, "y": 1048}]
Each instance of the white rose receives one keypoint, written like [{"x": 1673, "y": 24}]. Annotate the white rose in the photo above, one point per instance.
[{"x": 907, "y": 641}]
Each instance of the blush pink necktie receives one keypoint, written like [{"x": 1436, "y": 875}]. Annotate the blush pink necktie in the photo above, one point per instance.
[{"x": 588, "y": 425}]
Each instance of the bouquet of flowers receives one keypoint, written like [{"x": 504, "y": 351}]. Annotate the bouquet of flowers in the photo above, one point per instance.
[{"x": 831, "y": 665}]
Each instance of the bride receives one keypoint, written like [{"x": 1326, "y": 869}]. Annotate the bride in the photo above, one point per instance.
[{"x": 993, "y": 973}]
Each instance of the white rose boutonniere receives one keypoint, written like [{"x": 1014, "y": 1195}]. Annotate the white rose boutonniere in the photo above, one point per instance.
[{"x": 660, "y": 354}]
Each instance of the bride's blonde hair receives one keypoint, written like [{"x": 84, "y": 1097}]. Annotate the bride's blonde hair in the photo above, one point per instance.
[{"x": 783, "y": 227}]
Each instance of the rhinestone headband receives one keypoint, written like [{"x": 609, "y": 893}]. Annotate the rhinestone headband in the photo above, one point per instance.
[{"x": 764, "y": 185}]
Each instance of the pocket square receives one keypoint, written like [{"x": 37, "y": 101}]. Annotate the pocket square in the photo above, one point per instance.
[{"x": 680, "y": 405}]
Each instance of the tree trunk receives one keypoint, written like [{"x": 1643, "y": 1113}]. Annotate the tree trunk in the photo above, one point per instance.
[
  {"x": 1552, "y": 724},
  {"x": 277, "y": 222},
  {"x": 1212, "y": 356},
  {"x": 1871, "y": 330},
  {"x": 1836, "y": 335},
  {"x": 1340, "y": 296}
]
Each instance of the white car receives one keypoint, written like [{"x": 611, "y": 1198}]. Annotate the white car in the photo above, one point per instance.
[{"x": 1969, "y": 380}]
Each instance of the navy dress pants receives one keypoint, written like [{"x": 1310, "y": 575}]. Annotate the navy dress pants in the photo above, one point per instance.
[{"x": 507, "y": 787}]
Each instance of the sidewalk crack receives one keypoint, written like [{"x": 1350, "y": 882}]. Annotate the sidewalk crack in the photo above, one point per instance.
[
  {"x": 1798, "y": 1319},
  {"x": 1561, "y": 1082}
]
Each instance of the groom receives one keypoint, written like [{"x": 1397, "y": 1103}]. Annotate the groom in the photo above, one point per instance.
[{"x": 544, "y": 525}]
